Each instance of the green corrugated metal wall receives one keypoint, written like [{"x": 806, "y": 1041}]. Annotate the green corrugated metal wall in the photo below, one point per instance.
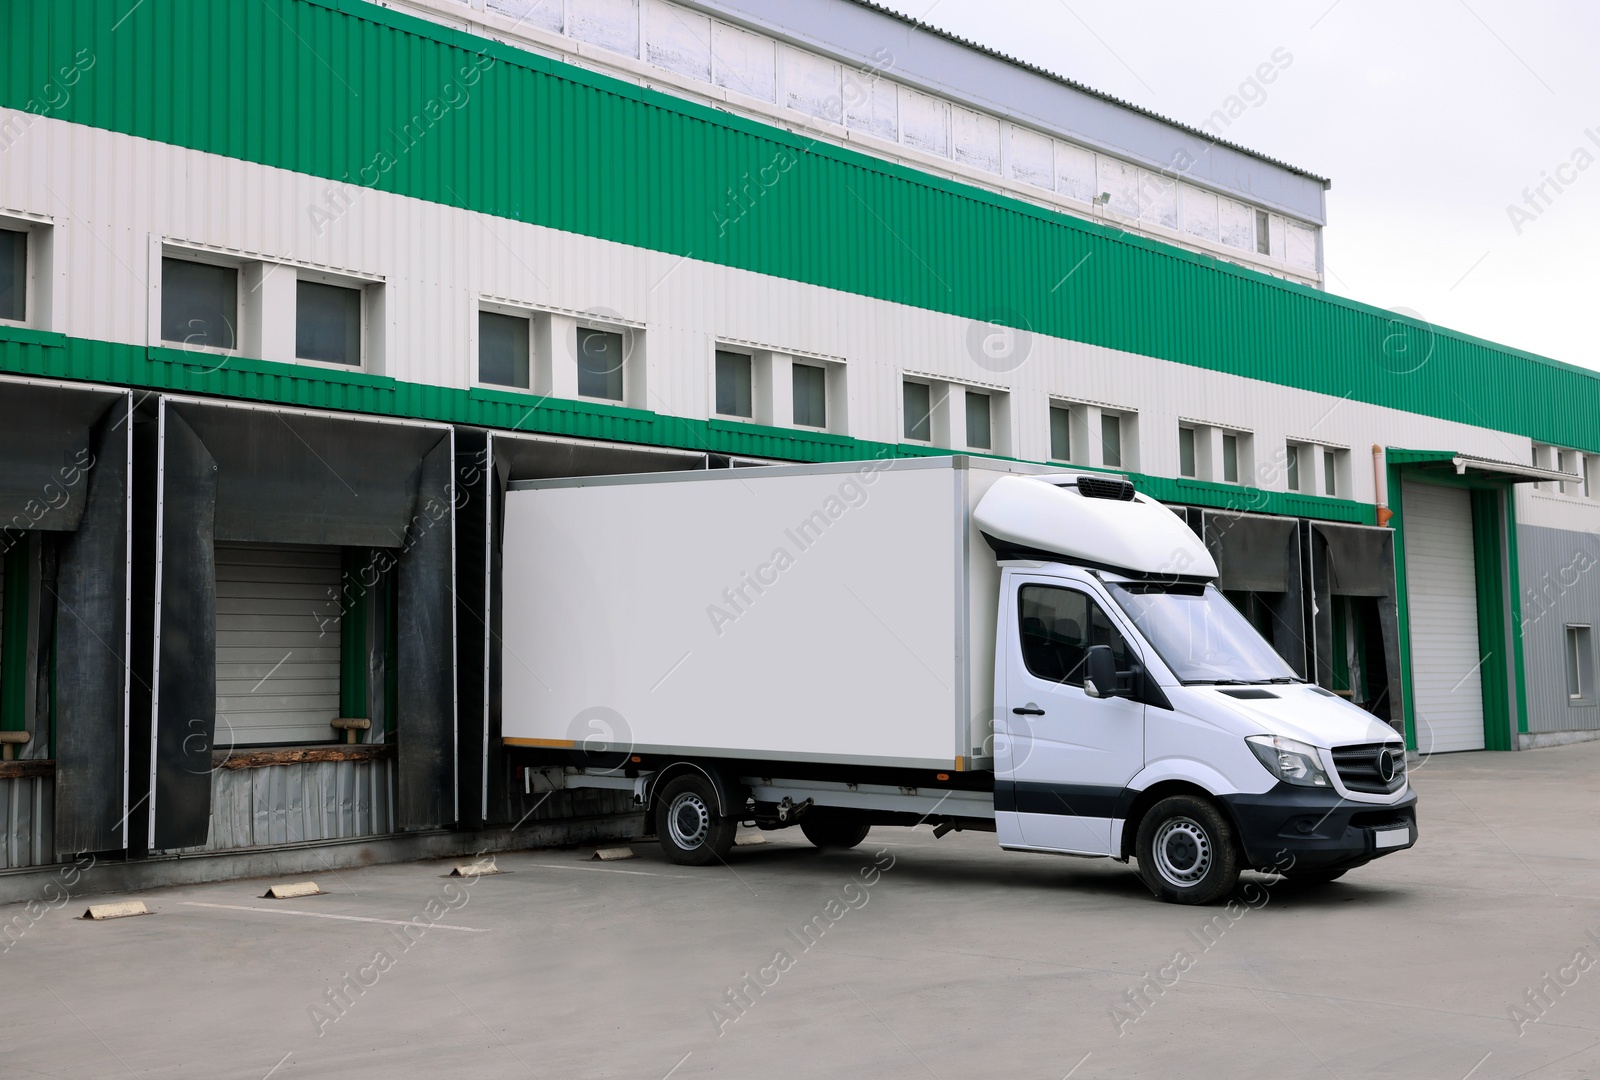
[{"x": 327, "y": 87}]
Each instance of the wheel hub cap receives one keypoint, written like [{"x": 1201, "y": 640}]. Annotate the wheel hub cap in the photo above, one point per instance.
[
  {"x": 689, "y": 820},
  {"x": 1182, "y": 852}
]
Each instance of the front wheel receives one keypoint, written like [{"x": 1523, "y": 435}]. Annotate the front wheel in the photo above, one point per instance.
[
  {"x": 688, "y": 826},
  {"x": 1186, "y": 851}
]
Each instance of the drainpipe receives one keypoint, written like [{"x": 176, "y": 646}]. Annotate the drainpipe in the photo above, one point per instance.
[{"x": 1380, "y": 486}]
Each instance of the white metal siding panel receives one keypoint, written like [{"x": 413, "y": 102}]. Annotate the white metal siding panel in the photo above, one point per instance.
[
  {"x": 871, "y": 104},
  {"x": 811, "y": 84},
  {"x": 610, "y": 24},
  {"x": 744, "y": 62},
  {"x": 1442, "y": 594},
  {"x": 678, "y": 40},
  {"x": 277, "y": 647},
  {"x": 436, "y": 261},
  {"x": 1032, "y": 158},
  {"x": 924, "y": 122},
  {"x": 977, "y": 139}
]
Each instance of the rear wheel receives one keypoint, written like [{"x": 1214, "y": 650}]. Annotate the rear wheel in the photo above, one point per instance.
[
  {"x": 837, "y": 833},
  {"x": 1186, "y": 851},
  {"x": 688, "y": 826}
]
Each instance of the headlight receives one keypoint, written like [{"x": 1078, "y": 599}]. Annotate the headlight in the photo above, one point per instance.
[{"x": 1290, "y": 761}]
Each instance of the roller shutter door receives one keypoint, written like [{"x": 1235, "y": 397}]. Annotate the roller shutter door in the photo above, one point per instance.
[
  {"x": 1442, "y": 599},
  {"x": 277, "y": 644}
]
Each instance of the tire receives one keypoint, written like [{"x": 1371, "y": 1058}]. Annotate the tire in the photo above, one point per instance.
[
  {"x": 839, "y": 834},
  {"x": 690, "y": 830},
  {"x": 1186, "y": 850}
]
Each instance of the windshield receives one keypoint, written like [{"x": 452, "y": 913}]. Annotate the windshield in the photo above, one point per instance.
[{"x": 1202, "y": 637}]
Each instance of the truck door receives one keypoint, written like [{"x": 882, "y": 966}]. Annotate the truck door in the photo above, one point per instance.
[{"x": 1071, "y": 755}]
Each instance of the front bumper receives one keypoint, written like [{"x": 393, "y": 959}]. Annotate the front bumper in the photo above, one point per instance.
[{"x": 1294, "y": 828}]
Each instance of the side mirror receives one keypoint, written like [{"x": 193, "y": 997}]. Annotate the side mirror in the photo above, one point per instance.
[{"x": 1100, "y": 672}]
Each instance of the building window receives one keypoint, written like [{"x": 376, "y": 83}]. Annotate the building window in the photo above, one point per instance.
[
  {"x": 1186, "y": 464},
  {"x": 1580, "y": 666},
  {"x": 810, "y": 396},
  {"x": 1263, "y": 234},
  {"x": 733, "y": 384},
  {"x": 978, "y": 434},
  {"x": 1060, "y": 433},
  {"x": 599, "y": 364},
  {"x": 1330, "y": 473},
  {"x": 327, "y": 323},
  {"x": 502, "y": 350},
  {"x": 1111, "y": 441},
  {"x": 1575, "y": 462},
  {"x": 199, "y": 304},
  {"x": 13, "y": 275},
  {"x": 1230, "y": 458},
  {"x": 1291, "y": 467},
  {"x": 917, "y": 401}
]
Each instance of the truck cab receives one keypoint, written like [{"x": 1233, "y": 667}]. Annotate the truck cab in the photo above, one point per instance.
[{"x": 1139, "y": 715}]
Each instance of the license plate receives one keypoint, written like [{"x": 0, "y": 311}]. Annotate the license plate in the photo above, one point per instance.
[{"x": 1388, "y": 838}]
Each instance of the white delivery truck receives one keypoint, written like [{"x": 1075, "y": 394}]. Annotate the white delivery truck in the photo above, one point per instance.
[{"x": 961, "y": 642}]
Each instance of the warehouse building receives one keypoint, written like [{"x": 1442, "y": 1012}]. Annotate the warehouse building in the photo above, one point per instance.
[{"x": 291, "y": 291}]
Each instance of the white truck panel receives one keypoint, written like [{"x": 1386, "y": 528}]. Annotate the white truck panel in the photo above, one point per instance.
[{"x": 807, "y": 613}]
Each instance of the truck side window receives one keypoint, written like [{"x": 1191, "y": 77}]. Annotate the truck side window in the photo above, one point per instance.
[{"x": 1057, "y": 627}]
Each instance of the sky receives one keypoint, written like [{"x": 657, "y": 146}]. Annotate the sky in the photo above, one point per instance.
[{"x": 1431, "y": 117}]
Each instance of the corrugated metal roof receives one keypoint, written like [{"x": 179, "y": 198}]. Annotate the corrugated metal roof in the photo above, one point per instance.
[{"x": 1075, "y": 85}]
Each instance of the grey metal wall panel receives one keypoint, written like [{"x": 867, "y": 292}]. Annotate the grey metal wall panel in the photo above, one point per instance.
[
  {"x": 27, "y": 822},
  {"x": 1560, "y": 574},
  {"x": 303, "y": 802}
]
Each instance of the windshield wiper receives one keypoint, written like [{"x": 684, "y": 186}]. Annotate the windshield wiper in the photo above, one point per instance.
[
  {"x": 1279, "y": 680},
  {"x": 1215, "y": 682}
]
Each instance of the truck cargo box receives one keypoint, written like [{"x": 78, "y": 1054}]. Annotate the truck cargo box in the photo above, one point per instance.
[{"x": 809, "y": 613}]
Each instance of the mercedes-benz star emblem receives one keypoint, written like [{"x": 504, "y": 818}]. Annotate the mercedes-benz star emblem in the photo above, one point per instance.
[{"x": 1387, "y": 767}]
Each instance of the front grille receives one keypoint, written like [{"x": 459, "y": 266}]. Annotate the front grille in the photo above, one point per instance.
[
  {"x": 1359, "y": 767},
  {"x": 1101, "y": 487}
]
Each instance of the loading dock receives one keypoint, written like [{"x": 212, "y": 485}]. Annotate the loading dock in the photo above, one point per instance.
[
  {"x": 64, "y": 534},
  {"x": 1355, "y": 614},
  {"x": 1441, "y": 572},
  {"x": 486, "y": 462},
  {"x": 1456, "y": 532},
  {"x": 245, "y": 511}
]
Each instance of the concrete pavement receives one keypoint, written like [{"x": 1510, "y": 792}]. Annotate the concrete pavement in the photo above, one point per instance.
[{"x": 908, "y": 957}]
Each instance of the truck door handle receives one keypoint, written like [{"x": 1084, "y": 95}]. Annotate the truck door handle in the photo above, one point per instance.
[{"x": 1028, "y": 710}]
